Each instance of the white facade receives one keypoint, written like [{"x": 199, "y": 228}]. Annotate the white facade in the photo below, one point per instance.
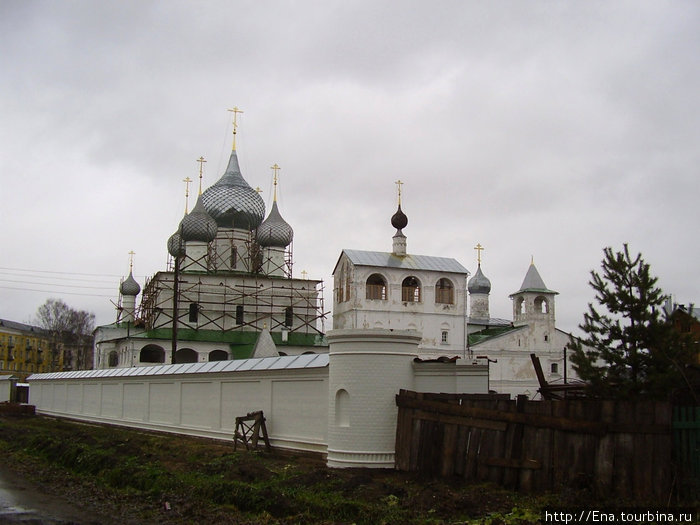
[
  {"x": 533, "y": 331},
  {"x": 403, "y": 292}
]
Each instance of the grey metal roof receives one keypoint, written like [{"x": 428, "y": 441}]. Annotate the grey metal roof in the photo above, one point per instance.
[
  {"x": 533, "y": 282},
  {"x": 408, "y": 262},
  {"x": 287, "y": 362},
  {"x": 14, "y": 325}
]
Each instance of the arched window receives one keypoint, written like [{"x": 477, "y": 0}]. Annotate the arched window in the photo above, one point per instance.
[
  {"x": 541, "y": 305},
  {"x": 410, "y": 290},
  {"x": 554, "y": 368},
  {"x": 444, "y": 292},
  {"x": 348, "y": 282},
  {"x": 152, "y": 354},
  {"x": 288, "y": 317},
  {"x": 113, "y": 359},
  {"x": 520, "y": 306},
  {"x": 218, "y": 355},
  {"x": 239, "y": 314},
  {"x": 375, "y": 287},
  {"x": 342, "y": 408},
  {"x": 186, "y": 355}
]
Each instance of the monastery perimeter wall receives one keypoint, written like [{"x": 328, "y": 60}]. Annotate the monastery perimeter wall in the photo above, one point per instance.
[
  {"x": 341, "y": 404},
  {"x": 204, "y": 404}
]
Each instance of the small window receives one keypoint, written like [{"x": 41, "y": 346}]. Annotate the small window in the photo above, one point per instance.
[
  {"x": 445, "y": 337},
  {"x": 554, "y": 368},
  {"x": 546, "y": 338},
  {"x": 239, "y": 314},
  {"x": 288, "y": 317},
  {"x": 194, "y": 312}
]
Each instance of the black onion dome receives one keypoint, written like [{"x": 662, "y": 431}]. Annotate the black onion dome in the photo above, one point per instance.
[
  {"x": 232, "y": 202},
  {"x": 399, "y": 219},
  {"x": 274, "y": 231},
  {"x": 479, "y": 283},
  {"x": 129, "y": 286},
  {"x": 176, "y": 246},
  {"x": 198, "y": 225}
]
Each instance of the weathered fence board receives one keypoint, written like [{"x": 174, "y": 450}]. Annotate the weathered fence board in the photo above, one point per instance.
[{"x": 621, "y": 448}]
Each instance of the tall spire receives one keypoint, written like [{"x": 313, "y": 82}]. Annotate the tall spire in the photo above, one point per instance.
[
  {"x": 201, "y": 166},
  {"x": 275, "y": 169},
  {"x": 235, "y": 112}
]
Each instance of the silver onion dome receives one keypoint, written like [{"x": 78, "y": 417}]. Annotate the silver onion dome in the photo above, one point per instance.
[
  {"x": 176, "y": 246},
  {"x": 479, "y": 283},
  {"x": 129, "y": 286},
  {"x": 232, "y": 202},
  {"x": 198, "y": 225},
  {"x": 274, "y": 231}
]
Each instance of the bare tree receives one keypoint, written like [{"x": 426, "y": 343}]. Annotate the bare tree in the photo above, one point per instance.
[{"x": 71, "y": 333}]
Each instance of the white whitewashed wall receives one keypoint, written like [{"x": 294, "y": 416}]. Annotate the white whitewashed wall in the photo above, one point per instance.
[{"x": 295, "y": 403}]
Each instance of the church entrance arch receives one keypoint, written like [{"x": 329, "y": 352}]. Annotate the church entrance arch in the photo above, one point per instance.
[{"x": 152, "y": 354}]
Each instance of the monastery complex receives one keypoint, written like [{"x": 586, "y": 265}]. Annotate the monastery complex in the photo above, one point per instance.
[{"x": 227, "y": 329}]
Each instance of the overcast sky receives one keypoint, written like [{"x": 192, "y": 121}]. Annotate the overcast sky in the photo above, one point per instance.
[{"x": 543, "y": 129}]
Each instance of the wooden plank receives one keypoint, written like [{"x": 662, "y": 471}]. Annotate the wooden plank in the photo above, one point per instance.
[
  {"x": 471, "y": 466},
  {"x": 512, "y": 463},
  {"x": 449, "y": 449},
  {"x": 604, "y": 454},
  {"x": 461, "y": 450},
  {"x": 624, "y": 452},
  {"x": 458, "y": 420},
  {"x": 567, "y": 424}
]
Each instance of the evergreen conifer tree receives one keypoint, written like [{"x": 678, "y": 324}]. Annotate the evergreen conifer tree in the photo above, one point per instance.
[{"x": 629, "y": 349}]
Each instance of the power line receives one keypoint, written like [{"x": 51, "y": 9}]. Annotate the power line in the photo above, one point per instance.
[
  {"x": 59, "y": 285},
  {"x": 56, "y": 292},
  {"x": 61, "y": 273}
]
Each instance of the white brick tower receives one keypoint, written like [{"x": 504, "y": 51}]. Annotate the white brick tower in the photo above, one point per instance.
[{"x": 367, "y": 370}]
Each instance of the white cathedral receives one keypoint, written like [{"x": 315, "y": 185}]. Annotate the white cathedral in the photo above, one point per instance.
[{"x": 229, "y": 293}]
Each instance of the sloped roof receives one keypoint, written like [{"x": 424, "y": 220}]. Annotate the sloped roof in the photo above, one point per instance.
[
  {"x": 13, "y": 325},
  {"x": 289, "y": 362},
  {"x": 490, "y": 333},
  {"x": 533, "y": 282},
  {"x": 408, "y": 262}
]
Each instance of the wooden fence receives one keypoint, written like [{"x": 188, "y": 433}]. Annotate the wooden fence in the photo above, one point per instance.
[
  {"x": 613, "y": 447},
  {"x": 686, "y": 445}
]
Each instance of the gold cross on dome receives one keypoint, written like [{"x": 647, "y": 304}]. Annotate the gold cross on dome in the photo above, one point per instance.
[
  {"x": 235, "y": 112},
  {"x": 399, "y": 183},
  {"x": 201, "y": 166},
  {"x": 304, "y": 274},
  {"x": 275, "y": 170},
  {"x": 478, "y": 249},
  {"x": 187, "y": 181},
  {"x": 131, "y": 260}
]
